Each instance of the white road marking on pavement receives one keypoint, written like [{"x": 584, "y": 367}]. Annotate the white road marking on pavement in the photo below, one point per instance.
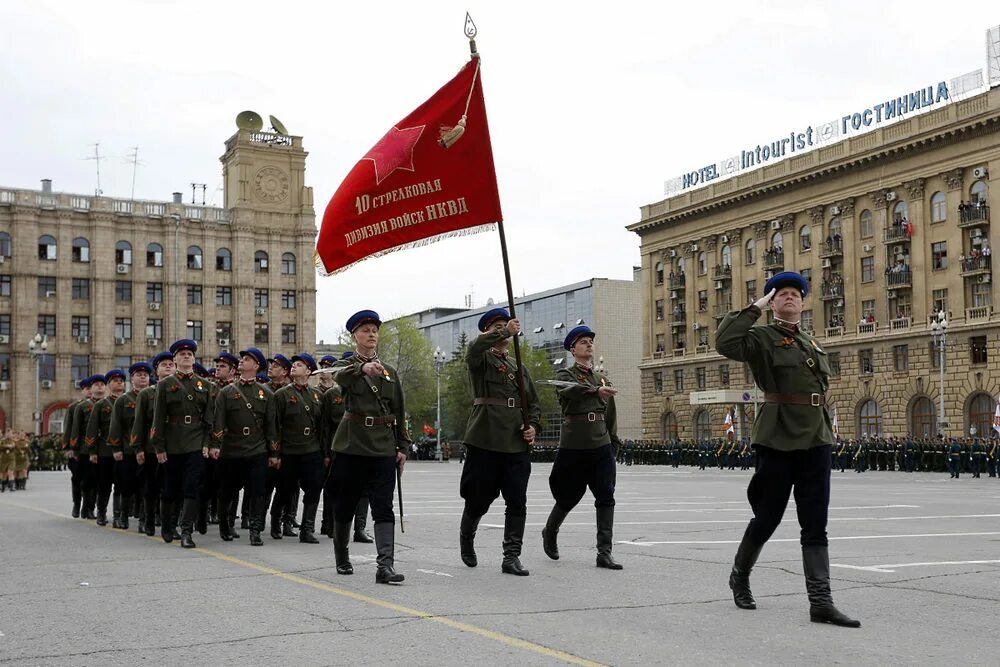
[
  {"x": 623, "y": 509},
  {"x": 886, "y": 568},
  {"x": 742, "y": 521},
  {"x": 440, "y": 574},
  {"x": 795, "y": 539}
]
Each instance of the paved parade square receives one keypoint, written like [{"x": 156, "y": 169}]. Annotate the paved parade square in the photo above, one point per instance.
[{"x": 915, "y": 558}]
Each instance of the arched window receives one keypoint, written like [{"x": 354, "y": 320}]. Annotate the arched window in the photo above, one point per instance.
[
  {"x": 978, "y": 191},
  {"x": 702, "y": 263},
  {"x": 47, "y": 248},
  {"x": 703, "y": 425},
  {"x": 939, "y": 207},
  {"x": 923, "y": 418},
  {"x": 867, "y": 230},
  {"x": 680, "y": 265},
  {"x": 154, "y": 254},
  {"x": 869, "y": 420},
  {"x": 751, "y": 251},
  {"x": 727, "y": 256},
  {"x": 260, "y": 262},
  {"x": 805, "y": 238},
  {"x": 5, "y": 244},
  {"x": 668, "y": 426},
  {"x": 195, "y": 258},
  {"x": 981, "y": 415},
  {"x": 288, "y": 264},
  {"x": 901, "y": 211},
  {"x": 777, "y": 241},
  {"x": 81, "y": 250},
  {"x": 836, "y": 227},
  {"x": 659, "y": 273},
  {"x": 123, "y": 253},
  {"x": 223, "y": 260},
  {"x": 57, "y": 420}
]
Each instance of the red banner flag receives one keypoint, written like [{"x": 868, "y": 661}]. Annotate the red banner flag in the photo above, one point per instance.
[{"x": 431, "y": 176}]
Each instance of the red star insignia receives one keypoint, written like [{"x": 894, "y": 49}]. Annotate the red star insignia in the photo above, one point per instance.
[{"x": 394, "y": 151}]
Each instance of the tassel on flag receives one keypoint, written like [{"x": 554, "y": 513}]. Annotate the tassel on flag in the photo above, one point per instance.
[{"x": 996, "y": 419}]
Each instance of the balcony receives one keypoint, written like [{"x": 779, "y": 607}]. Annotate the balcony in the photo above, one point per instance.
[
  {"x": 678, "y": 319},
  {"x": 973, "y": 215},
  {"x": 899, "y": 279},
  {"x": 900, "y": 323},
  {"x": 832, "y": 248},
  {"x": 832, "y": 289},
  {"x": 832, "y": 332},
  {"x": 678, "y": 352},
  {"x": 675, "y": 281},
  {"x": 722, "y": 272},
  {"x": 975, "y": 266},
  {"x": 774, "y": 259},
  {"x": 898, "y": 231},
  {"x": 867, "y": 328},
  {"x": 722, "y": 310},
  {"x": 701, "y": 349},
  {"x": 980, "y": 313}
]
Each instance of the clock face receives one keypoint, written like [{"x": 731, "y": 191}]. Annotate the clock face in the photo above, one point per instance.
[{"x": 271, "y": 185}]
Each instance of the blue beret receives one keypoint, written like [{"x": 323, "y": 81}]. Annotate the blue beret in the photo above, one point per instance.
[
  {"x": 787, "y": 279},
  {"x": 210, "y": 373},
  {"x": 162, "y": 356},
  {"x": 347, "y": 355},
  {"x": 140, "y": 366},
  {"x": 491, "y": 316},
  {"x": 281, "y": 359},
  {"x": 305, "y": 358},
  {"x": 200, "y": 370},
  {"x": 94, "y": 379},
  {"x": 183, "y": 344},
  {"x": 86, "y": 382},
  {"x": 229, "y": 358},
  {"x": 114, "y": 373},
  {"x": 328, "y": 360},
  {"x": 577, "y": 333},
  {"x": 363, "y": 317},
  {"x": 257, "y": 355},
  {"x": 262, "y": 378}
]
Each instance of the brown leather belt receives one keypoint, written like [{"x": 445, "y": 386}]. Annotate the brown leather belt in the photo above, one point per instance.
[
  {"x": 500, "y": 402},
  {"x": 586, "y": 417},
  {"x": 815, "y": 400},
  {"x": 370, "y": 421},
  {"x": 184, "y": 419}
]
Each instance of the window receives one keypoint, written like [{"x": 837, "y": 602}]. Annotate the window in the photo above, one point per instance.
[
  {"x": 869, "y": 420},
  {"x": 659, "y": 309},
  {"x": 668, "y": 426},
  {"x": 702, "y": 300},
  {"x": 751, "y": 291},
  {"x": 81, "y": 250},
  {"x": 901, "y": 211},
  {"x": 123, "y": 253},
  {"x": 288, "y": 334},
  {"x": 702, "y": 263},
  {"x": 81, "y": 288},
  {"x": 981, "y": 415},
  {"x": 934, "y": 352},
  {"x": 867, "y": 229},
  {"x": 659, "y": 273},
  {"x": 123, "y": 291},
  {"x": 727, "y": 257},
  {"x": 154, "y": 292},
  {"x": 867, "y": 269},
  {"x": 123, "y": 361},
  {"x": 834, "y": 364},
  {"x": 808, "y": 275},
  {"x": 123, "y": 328},
  {"x": 724, "y": 375},
  {"x": 195, "y": 329},
  {"x": 658, "y": 382},
  {"x": 865, "y": 363},
  {"x": 703, "y": 426},
  {"x": 260, "y": 298},
  {"x": 154, "y": 329},
  {"x": 805, "y": 238},
  {"x": 260, "y": 335},
  {"x": 982, "y": 295},
  {"x": 4, "y": 367},
  {"x": 5, "y": 244},
  {"x": 699, "y": 376},
  {"x": 260, "y": 262},
  {"x": 978, "y": 191},
  {"x": 977, "y": 349},
  {"x": 679, "y": 379},
  {"x": 224, "y": 330},
  {"x": 4, "y": 325},
  {"x": 223, "y": 296},
  {"x": 835, "y": 228},
  {"x": 154, "y": 254},
  {"x": 750, "y": 251},
  {"x": 868, "y": 309},
  {"x": 47, "y": 248},
  {"x": 659, "y": 343},
  {"x": 901, "y": 357},
  {"x": 47, "y": 325},
  {"x": 806, "y": 321},
  {"x": 777, "y": 241},
  {"x": 288, "y": 300},
  {"x": 5, "y": 285},
  {"x": 79, "y": 326},
  {"x": 223, "y": 260},
  {"x": 46, "y": 287},
  {"x": 79, "y": 366},
  {"x": 195, "y": 259},
  {"x": 940, "y": 301},
  {"x": 288, "y": 264},
  {"x": 747, "y": 374},
  {"x": 923, "y": 418},
  {"x": 47, "y": 367},
  {"x": 939, "y": 256},
  {"x": 939, "y": 207},
  {"x": 194, "y": 295}
]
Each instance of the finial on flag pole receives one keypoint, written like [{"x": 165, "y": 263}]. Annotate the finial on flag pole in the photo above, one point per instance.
[{"x": 471, "y": 32}]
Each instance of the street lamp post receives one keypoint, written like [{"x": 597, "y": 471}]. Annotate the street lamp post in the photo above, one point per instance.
[
  {"x": 36, "y": 348},
  {"x": 939, "y": 330},
  {"x": 438, "y": 367}
]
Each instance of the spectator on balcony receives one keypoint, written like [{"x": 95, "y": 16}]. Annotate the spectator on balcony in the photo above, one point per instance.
[
  {"x": 963, "y": 211},
  {"x": 986, "y": 251},
  {"x": 870, "y": 318}
]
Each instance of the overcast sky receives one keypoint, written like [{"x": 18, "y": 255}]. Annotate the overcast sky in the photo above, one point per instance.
[{"x": 591, "y": 106}]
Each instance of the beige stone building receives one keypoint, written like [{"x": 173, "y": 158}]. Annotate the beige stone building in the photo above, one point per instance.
[
  {"x": 112, "y": 281},
  {"x": 881, "y": 224}
]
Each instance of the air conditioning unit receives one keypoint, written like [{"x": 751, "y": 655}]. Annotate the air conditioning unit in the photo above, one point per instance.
[
  {"x": 260, "y": 311},
  {"x": 834, "y": 210},
  {"x": 4, "y": 386},
  {"x": 223, "y": 342},
  {"x": 696, "y": 327},
  {"x": 120, "y": 341},
  {"x": 4, "y": 339},
  {"x": 673, "y": 253},
  {"x": 155, "y": 305},
  {"x": 122, "y": 268},
  {"x": 890, "y": 195},
  {"x": 83, "y": 339},
  {"x": 2, "y": 259},
  {"x": 867, "y": 248},
  {"x": 673, "y": 294},
  {"x": 827, "y": 264},
  {"x": 980, "y": 172},
  {"x": 724, "y": 239},
  {"x": 718, "y": 284},
  {"x": 975, "y": 233},
  {"x": 152, "y": 342},
  {"x": 984, "y": 279},
  {"x": 46, "y": 384},
  {"x": 840, "y": 303},
  {"x": 776, "y": 224},
  {"x": 694, "y": 247},
  {"x": 50, "y": 294},
  {"x": 892, "y": 294}
]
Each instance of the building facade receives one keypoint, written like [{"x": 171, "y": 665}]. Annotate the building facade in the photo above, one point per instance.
[
  {"x": 609, "y": 307},
  {"x": 110, "y": 281},
  {"x": 891, "y": 228}
]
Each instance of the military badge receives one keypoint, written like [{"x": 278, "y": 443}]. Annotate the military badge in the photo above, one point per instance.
[
  {"x": 788, "y": 341},
  {"x": 260, "y": 394}
]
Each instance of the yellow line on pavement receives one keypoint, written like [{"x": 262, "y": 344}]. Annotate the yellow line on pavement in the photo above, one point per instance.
[{"x": 360, "y": 597}]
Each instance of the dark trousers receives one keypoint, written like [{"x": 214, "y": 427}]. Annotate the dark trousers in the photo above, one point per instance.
[
  {"x": 806, "y": 472},
  {"x": 487, "y": 474},
  {"x": 210, "y": 482},
  {"x": 182, "y": 476},
  {"x": 353, "y": 475},
  {"x": 126, "y": 476},
  {"x": 302, "y": 471},
  {"x": 152, "y": 473},
  {"x": 574, "y": 470},
  {"x": 246, "y": 473},
  {"x": 105, "y": 476},
  {"x": 74, "y": 479},
  {"x": 87, "y": 473},
  {"x": 272, "y": 482}
]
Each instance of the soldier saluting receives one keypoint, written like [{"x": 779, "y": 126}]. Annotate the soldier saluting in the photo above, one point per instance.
[{"x": 793, "y": 437}]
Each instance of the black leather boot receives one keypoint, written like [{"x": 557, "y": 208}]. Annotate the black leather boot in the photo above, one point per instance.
[
  {"x": 201, "y": 522},
  {"x": 213, "y": 511},
  {"x": 233, "y": 507},
  {"x": 605, "y": 530},
  {"x": 102, "y": 510},
  {"x": 385, "y": 547},
  {"x": 116, "y": 510},
  {"x": 308, "y": 524},
  {"x": 255, "y": 516},
  {"x": 189, "y": 514},
  {"x": 175, "y": 519},
  {"x": 816, "y": 565},
  {"x": 341, "y": 547},
  {"x": 150, "y": 523},
  {"x": 275, "y": 522},
  {"x": 550, "y": 544},
  {"x": 292, "y": 509},
  {"x": 89, "y": 500},
  {"x": 513, "y": 537},
  {"x": 360, "y": 521},
  {"x": 225, "y": 529},
  {"x": 166, "y": 521},
  {"x": 467, "y": 538},
  {"x": 76, "y": 504},
  {"x": 245, "y": 512},
  {"x": 739, "y": 578},
  {"x": 123, "y": 519}
]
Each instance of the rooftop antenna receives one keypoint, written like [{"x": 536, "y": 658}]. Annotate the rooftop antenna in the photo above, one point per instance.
[
  {"x": 97, "y": 160},
  {"x": 194, "y": 187},
  {"x": 136, "y": 163}
]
